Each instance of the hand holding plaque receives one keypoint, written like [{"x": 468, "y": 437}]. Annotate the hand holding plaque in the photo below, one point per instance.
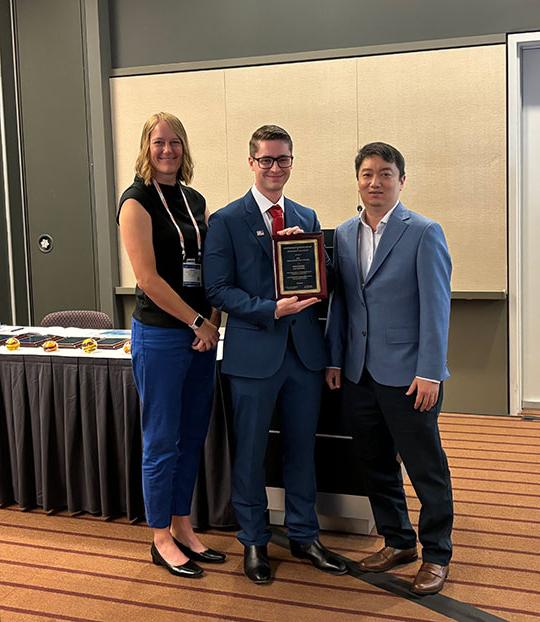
[{"x": 299, "y": 265}]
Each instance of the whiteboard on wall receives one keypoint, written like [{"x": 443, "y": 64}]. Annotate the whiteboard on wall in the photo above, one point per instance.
[{"x": 445, "y": 110}]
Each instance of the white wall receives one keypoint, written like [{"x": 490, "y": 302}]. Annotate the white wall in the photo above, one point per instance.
[{"x": 530, "y": 230}]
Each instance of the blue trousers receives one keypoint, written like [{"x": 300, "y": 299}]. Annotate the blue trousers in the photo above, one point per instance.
[
  {"x": 175, "y": 386},
  {"x": 296, "y": 392}
]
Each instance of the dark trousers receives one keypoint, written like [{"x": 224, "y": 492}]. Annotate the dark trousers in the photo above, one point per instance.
[
  {"x": 295, "y": 391},
  {"x": 383, "y": 422},
  {"x": 175, "y": 385}
]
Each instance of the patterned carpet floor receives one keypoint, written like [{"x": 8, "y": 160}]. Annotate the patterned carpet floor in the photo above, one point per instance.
[{"x": 83, "y": 568}]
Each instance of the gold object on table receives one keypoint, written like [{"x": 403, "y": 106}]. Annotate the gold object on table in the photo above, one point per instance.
[
  {"x": 89, "y": 345},
  {"x": 50, "y": 346},
  {"x": 127, "y": 347},
  {"x": 13, "y": 343}
]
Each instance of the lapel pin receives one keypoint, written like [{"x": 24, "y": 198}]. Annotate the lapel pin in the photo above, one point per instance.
[{"x": 260, "y": 233}]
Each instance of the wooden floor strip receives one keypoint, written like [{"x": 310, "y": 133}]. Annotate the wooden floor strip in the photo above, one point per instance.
[
  {"x": 504, "y": 492},
  {"x": 43, "y": 614},
  {"x": 123, "y": 601},
  {"x": 459, "y": 478},
  {"x": 489, "y": 504},
  {"x": 514, "y": 423},
  {"x": 467, "y": 458},
  {"x": 509, "y": 452},
  {"x": 497, "y": 533},
  {"x": 206, "y": 614},
  {"x": 467, "y": 434}
]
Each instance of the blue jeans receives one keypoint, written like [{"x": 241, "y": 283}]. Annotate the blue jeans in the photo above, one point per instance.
[{"x": 175, "y": 385}]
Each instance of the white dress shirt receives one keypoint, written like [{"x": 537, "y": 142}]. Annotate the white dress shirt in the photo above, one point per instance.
[
  {"x": 368, "y": 240},
  {"x": 265, "y": 204}
]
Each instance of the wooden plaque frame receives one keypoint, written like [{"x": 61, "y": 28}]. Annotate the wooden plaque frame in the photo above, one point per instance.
[{"x": 300, "y": 266}]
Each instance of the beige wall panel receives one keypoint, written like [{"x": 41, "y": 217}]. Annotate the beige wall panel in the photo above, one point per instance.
[
  {"x": 446, "y": 110},
  {"x": 316, "y": 103},
  {"x": 198, "y": 100}
]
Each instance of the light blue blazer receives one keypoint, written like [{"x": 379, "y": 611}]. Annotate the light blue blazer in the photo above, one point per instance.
[
  {"x": 238, "y": 269},
  {"x": 395, "y": 323}
]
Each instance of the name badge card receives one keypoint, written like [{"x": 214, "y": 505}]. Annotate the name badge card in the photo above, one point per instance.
[{"x": 191, "y": 273}]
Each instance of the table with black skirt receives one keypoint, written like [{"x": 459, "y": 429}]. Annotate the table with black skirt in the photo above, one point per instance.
[{"x": 70, "y": 439}]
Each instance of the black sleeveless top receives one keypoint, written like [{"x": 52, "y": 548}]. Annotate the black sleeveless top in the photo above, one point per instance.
[{"x": 167, "y": 247}]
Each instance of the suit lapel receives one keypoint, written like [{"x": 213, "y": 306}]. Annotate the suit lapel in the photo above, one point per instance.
[
  {"x": 255, "y": 222},
  {"x": 351, "y": 242},
  {"x": 396, "y": 226},
  {"x": 292, "y": 218}
]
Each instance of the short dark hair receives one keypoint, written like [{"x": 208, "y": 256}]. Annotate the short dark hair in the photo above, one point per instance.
[
  {"x": 383, "y": 150},
  {"x": 268, "y": 132}
]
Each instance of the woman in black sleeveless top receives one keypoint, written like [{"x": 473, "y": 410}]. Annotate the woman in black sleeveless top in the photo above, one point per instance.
[{"x": 174, "y": 336}]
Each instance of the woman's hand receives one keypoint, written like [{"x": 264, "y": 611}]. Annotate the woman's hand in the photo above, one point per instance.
[{"x": 206, "y": 337}]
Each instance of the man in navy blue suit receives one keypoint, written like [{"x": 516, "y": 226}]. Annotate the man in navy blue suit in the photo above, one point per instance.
[
  {"x": 387, "y": 333},
  {"x": 273, "y": 353}
]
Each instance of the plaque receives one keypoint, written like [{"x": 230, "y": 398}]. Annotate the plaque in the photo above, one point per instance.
[{"x": 300, "y": 267}]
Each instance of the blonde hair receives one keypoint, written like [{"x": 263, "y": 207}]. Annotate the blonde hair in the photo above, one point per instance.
[{"x": 143, "y": 166}]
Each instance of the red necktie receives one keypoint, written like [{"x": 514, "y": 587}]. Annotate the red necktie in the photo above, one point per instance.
[{"x": 277, "y": 219}]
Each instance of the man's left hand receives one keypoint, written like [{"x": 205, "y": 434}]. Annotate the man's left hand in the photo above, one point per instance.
[
  {"x": 427, "y": 393},
  {"x": 290, "y": 230}
]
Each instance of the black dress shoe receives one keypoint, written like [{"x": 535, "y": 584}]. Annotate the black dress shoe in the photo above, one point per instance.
[
  {"x": 256, "y": 564},
  {"x": 209, "y": 556},
  {"x": 189, "y": 570},
  {"x": 319, "y": 556}
]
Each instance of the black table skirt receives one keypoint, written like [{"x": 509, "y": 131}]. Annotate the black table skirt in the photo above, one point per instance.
[{"x": 70, "y": 439}]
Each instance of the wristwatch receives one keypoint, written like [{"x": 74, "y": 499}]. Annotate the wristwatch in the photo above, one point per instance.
[{"x": 197, "y": 322}]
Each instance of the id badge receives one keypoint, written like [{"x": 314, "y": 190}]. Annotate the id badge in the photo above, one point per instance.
[{"x": 191, "y": 273}]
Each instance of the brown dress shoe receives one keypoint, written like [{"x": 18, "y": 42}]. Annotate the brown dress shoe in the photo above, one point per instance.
[
  {"x": 430, "y": 579},
  {"x": 387, "y": 558}
]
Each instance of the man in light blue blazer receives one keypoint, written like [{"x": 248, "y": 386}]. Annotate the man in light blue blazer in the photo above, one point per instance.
[
  {"x": 387, "y": 335},
  {"x": 274, "y": 355}
]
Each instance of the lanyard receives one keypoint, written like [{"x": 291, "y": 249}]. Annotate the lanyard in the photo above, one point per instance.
[{"x": 196, "y": 226}]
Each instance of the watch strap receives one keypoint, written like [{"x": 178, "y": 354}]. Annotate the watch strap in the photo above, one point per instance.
[{"x": 197, "y": 322}]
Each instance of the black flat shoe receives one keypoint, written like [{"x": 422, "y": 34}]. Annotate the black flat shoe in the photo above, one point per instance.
[
  {"x": 319, "y": 556},
  {"x": 209, "y": 556},
  {"x": 256, "y": 564},
  {"x": 189, "y": 570}
]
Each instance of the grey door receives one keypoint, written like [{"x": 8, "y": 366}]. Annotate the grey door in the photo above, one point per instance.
[{"x": 56, "y": 156}]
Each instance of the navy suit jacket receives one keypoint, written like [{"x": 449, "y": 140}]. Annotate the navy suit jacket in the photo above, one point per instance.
[
  {"x": 238, "y": 268},
  {"x": 395, "y": 322}
]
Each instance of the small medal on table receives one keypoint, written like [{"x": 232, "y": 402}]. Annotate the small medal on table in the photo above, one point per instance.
[{"x": 299, "y": 265}]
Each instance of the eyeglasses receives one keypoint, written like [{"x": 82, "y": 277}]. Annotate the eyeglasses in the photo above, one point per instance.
[{"x": 268, "y": 162}]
